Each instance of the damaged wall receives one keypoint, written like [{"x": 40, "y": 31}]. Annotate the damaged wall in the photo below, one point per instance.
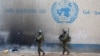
[{"x": 31, "y": 15}]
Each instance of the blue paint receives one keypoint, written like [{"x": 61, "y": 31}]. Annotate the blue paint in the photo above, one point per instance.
[
  {"x": 10, "y": 10},
  {"x": 75, "y": 47},
  {"x": 64, "y": 9},
  {"x": 26, "y": 10},
  {"x": 56, "y": 47},
  {"x": 86, "y": 12},
  {"x": 96, "y": 13},
  {"x": 42, "y": 11}
]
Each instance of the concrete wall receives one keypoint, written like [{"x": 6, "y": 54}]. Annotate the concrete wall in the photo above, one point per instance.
[{"x": 17, "y": 14}]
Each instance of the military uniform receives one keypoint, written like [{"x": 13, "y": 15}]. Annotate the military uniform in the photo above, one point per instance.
[
  {"x": 40, "y": 40},
  {"x": 63, "y": 38}
]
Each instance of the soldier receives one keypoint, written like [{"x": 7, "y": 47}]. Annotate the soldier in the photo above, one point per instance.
[
  {"x": 40, "y": 40},
  {"x": 64, "y": 38}
]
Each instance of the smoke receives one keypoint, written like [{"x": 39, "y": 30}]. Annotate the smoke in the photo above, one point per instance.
[
  {"x": 27, "y": 24},
  {"x": 14, "y": 23}
]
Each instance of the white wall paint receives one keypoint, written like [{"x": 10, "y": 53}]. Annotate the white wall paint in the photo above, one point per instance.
[{"x": 85, "y": 29}]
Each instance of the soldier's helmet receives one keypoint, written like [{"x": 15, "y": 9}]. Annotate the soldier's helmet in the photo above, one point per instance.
[{"x": 40, "y": 32}]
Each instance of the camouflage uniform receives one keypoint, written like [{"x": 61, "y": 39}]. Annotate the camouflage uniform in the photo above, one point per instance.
[
  {"x": 63, "y": 39},
  {"x": 40, "y": 40}
]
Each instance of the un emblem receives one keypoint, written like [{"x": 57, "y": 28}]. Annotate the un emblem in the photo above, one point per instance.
[{"x": 64, "y": 11}]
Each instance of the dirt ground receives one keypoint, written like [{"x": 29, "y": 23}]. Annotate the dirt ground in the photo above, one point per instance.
[{"x": 31, "y": 53}]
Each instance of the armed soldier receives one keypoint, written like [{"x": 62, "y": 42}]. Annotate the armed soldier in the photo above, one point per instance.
[
  {"x": 40, "y": 40},
  {"x": 64, "y": 38}
]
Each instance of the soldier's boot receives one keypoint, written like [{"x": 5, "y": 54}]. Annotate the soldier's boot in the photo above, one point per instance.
[
  {"x": 39, "y": 52},
  {"x": 67, "y": 52},
  {"x": 63, "y": 52},
  {"x": 43, "y": 52}
]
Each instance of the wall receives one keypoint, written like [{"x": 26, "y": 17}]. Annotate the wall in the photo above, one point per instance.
[{"x": 32, "y": 15}]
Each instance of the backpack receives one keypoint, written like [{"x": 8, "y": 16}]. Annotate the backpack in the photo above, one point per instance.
[
  {"x": 60, "y": 37},
  {"x": 68, "y": 39}
]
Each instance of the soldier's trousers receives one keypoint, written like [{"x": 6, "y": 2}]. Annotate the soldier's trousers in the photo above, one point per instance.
[
  {"x": 40, "y": 49},
  {"x": 64, "y": 48}
]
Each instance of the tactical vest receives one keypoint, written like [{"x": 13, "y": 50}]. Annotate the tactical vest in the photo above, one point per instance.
[{"x": 40, "y": 39}]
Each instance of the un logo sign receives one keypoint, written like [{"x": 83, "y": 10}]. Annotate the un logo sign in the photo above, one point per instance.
[{"x": 64, "y": 11}]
